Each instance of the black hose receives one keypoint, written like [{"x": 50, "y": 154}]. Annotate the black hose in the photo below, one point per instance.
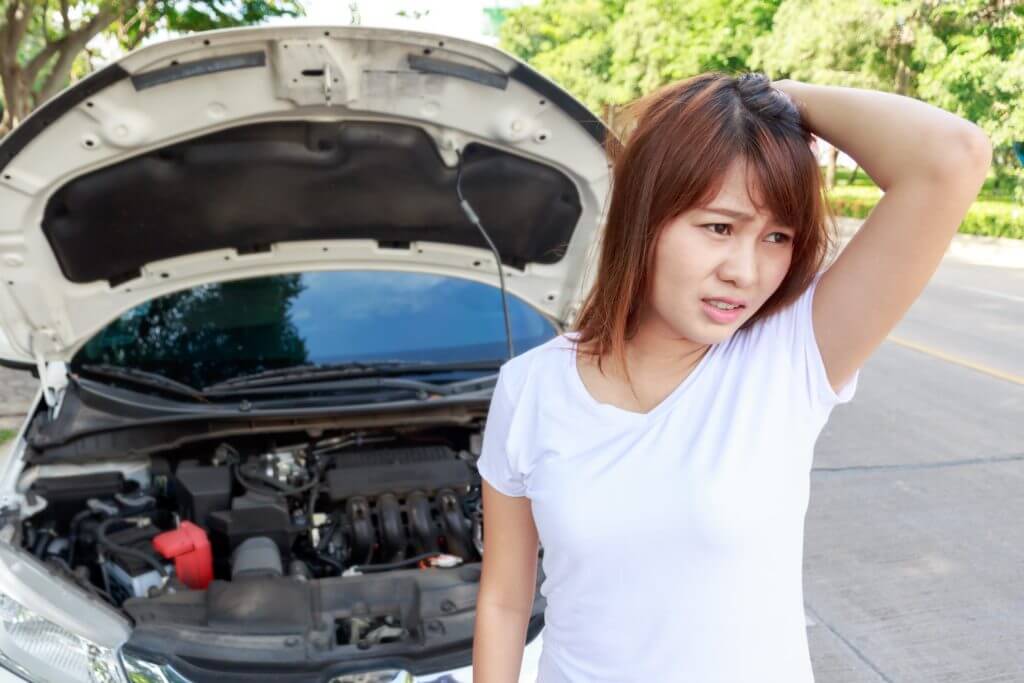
[
  {"x": 277, "y": 486},
  {"x": 115, "y": 549},
  {"x": 365, "y": 569},
  {"x": 73, "y": 533},
  {"x": 328, "y": 560},
  {"x": 43, "y": 539},
  {"x": 312, "y": 503}
]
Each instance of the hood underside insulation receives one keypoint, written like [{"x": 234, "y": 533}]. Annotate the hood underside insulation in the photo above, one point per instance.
[{"x": 249, "y": 187}]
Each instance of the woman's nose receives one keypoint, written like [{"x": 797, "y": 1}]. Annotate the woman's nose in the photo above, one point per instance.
[{"x": 740, "y": 264}]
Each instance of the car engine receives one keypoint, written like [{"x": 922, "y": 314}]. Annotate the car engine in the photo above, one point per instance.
[{"x": 256, "y": 522}]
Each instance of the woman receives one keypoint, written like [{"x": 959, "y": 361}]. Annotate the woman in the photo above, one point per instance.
[{"x": 660, "y": 453}]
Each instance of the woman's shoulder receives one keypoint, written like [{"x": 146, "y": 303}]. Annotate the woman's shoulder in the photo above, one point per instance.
[{"x": 544, "y": 358}]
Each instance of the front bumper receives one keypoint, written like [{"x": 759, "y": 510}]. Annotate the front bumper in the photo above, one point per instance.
[{"x": 149, "y": 672}]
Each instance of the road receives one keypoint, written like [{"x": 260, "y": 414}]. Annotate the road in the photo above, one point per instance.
[{"x": 914, "y": 552}]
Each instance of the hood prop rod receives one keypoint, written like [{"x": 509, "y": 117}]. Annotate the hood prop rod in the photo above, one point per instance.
[{"x": 475, "y": 220}]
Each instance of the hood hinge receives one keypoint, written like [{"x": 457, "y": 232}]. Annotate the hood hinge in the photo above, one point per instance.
[
  {"x": 54, "y": 378},
  {"x": 53, "y": 375}
]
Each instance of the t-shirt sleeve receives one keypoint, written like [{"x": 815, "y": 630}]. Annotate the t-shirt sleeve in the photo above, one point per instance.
[
  {"x": 495, "y": 464},
  {"x": 809, "y": 354},
  {"x": 790, "y": 332}
]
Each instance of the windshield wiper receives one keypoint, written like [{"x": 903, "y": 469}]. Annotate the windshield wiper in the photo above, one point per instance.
[
  {"x": 328, "y": 371},
  {"x": 421, "y": 389},
  {"x": 143, "y": 378}
]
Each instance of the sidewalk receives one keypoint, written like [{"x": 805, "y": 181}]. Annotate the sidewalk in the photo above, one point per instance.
[
  {"x": 16, "y": 391},
  {"x": 1000, "y": 252}
]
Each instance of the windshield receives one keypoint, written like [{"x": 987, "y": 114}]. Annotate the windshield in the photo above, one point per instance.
[{"x": 218, "y": 331}]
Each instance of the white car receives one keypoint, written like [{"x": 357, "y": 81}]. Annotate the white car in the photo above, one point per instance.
[{"x": 250, "y": 270}]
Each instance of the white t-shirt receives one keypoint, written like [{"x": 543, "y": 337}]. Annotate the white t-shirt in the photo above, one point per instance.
[{"x": 673, "y": 540}]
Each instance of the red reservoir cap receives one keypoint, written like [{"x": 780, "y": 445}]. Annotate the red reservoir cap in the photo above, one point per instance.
[{"x": 189, "y": 547}]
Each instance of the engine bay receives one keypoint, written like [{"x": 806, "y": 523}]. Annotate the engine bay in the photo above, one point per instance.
[{"x": 356, "y": 538}]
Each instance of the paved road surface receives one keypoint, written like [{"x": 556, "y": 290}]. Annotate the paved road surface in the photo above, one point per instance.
[{"x": 914, "y": 555}]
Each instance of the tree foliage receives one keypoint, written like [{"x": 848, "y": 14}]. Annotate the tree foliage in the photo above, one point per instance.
[
  {"x": 974, "y": 66},
  {"x": 835, "y": 42},
  {"x": 660, "y": 41},
  {"x": 569, "y": 42},
  {"x": 966, "y": 56}
]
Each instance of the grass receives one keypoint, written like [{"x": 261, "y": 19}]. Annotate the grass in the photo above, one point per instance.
[
  {"x": 993, "y": 214},
  {"x": 6, "y": 435}
]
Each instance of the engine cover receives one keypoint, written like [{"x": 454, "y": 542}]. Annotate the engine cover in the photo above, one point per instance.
[{"x": 398, "y": 471}]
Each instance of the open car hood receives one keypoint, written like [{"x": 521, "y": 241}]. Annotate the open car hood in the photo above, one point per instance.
[{"x": 252, "y": 151}]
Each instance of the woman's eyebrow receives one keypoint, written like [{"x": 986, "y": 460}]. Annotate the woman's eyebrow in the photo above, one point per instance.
[
  {"x": 743, "y": 215},
  {"x": 728, "y": 212}
]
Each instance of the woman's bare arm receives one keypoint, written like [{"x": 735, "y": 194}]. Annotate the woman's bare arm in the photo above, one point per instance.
[
  {"x": 930, "y": 164},
  {"x": 507, "y": 586}
]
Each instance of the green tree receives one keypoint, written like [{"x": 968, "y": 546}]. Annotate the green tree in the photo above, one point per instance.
[
  {"x": 43, "y": 42},
  {"x": 974, "y": 66},
  {"x": 569, "y": 42},
  {"x": 608, "y": 52},
  {"x": 660, "y": 41},
  {"x": 853, "y": 43},
  {"x": 965, "y": 56}
]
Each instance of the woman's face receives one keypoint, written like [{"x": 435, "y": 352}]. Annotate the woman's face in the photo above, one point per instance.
[{"x": 707, "y": 253}]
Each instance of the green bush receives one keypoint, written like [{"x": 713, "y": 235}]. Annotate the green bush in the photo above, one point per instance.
[
  {"x": 995, "y": 219},
  {"x": 987, "y": 217},
  {"x": 853, "y": 207}
]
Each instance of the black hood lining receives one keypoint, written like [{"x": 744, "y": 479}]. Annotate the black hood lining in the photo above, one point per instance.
[{"x": 249, "y": 187}]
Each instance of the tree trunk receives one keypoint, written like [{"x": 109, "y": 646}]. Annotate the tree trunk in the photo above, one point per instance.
[
  {"x": 17, "y": 90},
  {"x": 18, "y": 79},
  {"x": 69, "y": 47},
  {"x": 853, "y": 175},
  {"x": 17, "y": 98},
  {"x": 830, "y": 170}
]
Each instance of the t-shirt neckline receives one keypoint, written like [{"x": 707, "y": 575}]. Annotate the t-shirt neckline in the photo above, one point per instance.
[{"x": 581, "y": 388}]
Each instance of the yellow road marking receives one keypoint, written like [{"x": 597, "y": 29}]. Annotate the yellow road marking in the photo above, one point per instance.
[{"x": 1010, "y": 377}]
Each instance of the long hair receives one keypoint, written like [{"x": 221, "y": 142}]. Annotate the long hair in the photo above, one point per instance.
[{"x": 683, "y": 138}]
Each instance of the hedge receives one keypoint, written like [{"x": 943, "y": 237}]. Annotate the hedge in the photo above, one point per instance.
[{"x": 991, "y": 218}]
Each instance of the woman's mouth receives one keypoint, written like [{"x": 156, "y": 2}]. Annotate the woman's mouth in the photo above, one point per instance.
[{"x": 721, "y": 315}]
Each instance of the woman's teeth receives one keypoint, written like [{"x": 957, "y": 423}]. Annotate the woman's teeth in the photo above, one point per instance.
[{"x": 723, "y": 306}]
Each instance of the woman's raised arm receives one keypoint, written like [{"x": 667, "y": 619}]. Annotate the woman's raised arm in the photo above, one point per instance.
[{"x": 931, "y": 165}]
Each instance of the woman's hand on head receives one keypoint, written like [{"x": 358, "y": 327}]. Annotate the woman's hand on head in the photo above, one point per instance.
[{"x": 789, "y": 89}]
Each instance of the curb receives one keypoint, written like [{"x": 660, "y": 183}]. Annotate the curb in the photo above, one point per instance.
[{"x": 999, "y": 252}]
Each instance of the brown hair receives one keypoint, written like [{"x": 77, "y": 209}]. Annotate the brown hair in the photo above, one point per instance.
[{"x": 684, "y": 137}]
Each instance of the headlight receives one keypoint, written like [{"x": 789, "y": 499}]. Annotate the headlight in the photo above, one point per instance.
[{"x": 40, "y": 650}]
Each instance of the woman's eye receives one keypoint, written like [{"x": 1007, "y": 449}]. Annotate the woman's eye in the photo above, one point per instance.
[{"x": 781, "y": 237}]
